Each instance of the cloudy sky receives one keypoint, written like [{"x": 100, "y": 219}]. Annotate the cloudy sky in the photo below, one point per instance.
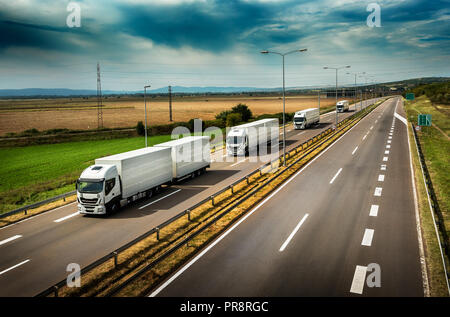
[{"x": 217, "y": 43}]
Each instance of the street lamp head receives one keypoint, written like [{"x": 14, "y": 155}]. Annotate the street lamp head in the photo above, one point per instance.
[
  {"x": 326, "y": 67},
  {"x": 348, "y": 66},
  {"x": 147, "y": 86},
  {"x": 303, "y": 50},
  {"x": 264, "y": 52}
]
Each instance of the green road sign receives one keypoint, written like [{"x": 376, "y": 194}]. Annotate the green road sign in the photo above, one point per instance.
[
  {"x": 410, "y": 96},
  {"x": 424, "y": 120}
]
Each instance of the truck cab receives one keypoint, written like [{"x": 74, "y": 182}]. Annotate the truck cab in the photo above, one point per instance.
[
  {"x": 299, "y": 120},
  {"x": 98, "y": 190},
  {"x": 237, "y": 142},
  {"x": 342, "y": 106}
]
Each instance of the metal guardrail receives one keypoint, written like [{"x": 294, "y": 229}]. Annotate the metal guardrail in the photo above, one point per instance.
[
  {"x": 54, "y": 289},
  {"x": 38, "y": 204}
]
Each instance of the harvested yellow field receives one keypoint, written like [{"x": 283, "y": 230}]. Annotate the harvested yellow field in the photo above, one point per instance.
[{"x": 78, "y": 113}]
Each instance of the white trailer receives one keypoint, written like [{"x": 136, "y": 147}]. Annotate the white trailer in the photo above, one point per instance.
[
  {"x": 190, "y": 155},
  {"x": 119, "y": 179},
  {"x": 305, "y": 118},
  {"x": 342, "y": 106},
  {"x": 244, "y": 138}
]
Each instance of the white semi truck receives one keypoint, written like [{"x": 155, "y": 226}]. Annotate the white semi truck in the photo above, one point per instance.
[
  {"x": 342, "y": 106},
  {"x": 117, "y": 180},
  {"x": 305, "y": 118},
  {"x": 244, "y": 138}
]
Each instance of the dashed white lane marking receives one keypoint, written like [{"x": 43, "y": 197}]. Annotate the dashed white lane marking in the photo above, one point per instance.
[
  {"x": 13, "y": 267},
  {"x": 373, "y": 210},
  {"x": 239, "y": 162},
  {"x": 390, "y": 137},
  {"x": 155, "y": 201},
  {"x": 359, "y": 279},
  {"x": 10, "y": 239},
  {"x": 364, "y": 137},
  {"x": 386, "y": 152},
  {"x": 388, "y": 146},
  {"x": 337, "y": 174},
  {"x": 385, "y": 158},
  {"x": 354, "y": 150},
  {"x": 293, "y": 233},
  {"x": 383, "y": 167},
  {"x": 389, "y": 141},
  {"x": 378, "y": 191},
  {"x": 66, "y": 217},
  {"x": 367, "y": 238},
  {"x": 376, "y": 121},
  {"x": 381, "y": 178},
  {"x": 371, "y": 127}
]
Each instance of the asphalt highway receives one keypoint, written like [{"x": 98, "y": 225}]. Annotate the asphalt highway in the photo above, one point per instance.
[
  {"x": 34, "y": 253},
  {"x": 344, "y": 225}
]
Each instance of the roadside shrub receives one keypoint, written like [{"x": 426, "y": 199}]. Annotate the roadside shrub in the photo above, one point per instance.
[
  {"x": 233, "y": 119},
  {"x": 244, "y": 111},
  {"x": 140, "y": 129}
]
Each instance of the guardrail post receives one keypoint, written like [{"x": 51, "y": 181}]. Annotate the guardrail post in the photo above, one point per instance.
[
  {"x": 115, "y": 259},
  {"x": 212, "y": 200},
  {"x": 232, "y": 190},
  {"x": 157, "y": 234},
  {"x": 189, "y": 214},
  {"x": 25, "y": 212},
  {"x": 64, "y": 198},
  {"x": 248, "y": 182},
  {"x": 55, "y": 290}
]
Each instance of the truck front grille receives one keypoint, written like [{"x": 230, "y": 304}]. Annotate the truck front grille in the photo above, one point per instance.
[{"x": 89, "y": 201}]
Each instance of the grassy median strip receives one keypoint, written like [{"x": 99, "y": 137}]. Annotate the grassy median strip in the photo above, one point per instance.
[{"x": 102, "y": 279}]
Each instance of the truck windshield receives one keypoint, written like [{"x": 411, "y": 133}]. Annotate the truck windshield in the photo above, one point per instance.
[
  {"x": 299, "y": 119},
  {"x": 234, "y": 140},
  {"x": 89, "y": 187}
]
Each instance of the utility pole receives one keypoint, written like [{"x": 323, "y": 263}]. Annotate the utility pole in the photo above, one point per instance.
[
  {"x": 99, "y": 99},
  {"x": 170, "y": 103},
  {"x": 318, "y": 97}
]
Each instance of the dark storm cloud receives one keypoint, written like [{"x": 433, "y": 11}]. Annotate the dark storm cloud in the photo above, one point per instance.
[{"x": 214, "y": 25}]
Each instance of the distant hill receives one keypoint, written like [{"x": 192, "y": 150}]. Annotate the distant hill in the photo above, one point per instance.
[{"x": 64, "y": 92}]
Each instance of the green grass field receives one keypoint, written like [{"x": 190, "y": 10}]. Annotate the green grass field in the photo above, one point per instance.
[
  {"x": 436, "y": 148},
  {"x": 33, "y": 173}
]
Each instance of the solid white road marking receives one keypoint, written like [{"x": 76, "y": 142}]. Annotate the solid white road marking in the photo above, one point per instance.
[
  {"x": 373, "y": 210},
  {"x": 378, "y": 191},
  {"x": 10, "y": 239},
  {"x": 160, "y": 199},
  {"x": 66, "y": 217},
  {"x": 239, "y": 162},
  {"x": 381, "y": 178},
  {"x": 293, "y": 233},
  {"x": 13, "y": 267},
  {"x": 367, "y": 238},
  {"x": 300, "y": 133},
  {"x": 354, "y": 150},
  {"x": 359, "y": 279},
  {"x": 400, "y": 118},
  {"x": 383, "y": 167},
  {"x": 337, "y": 174},
  {"x": 385, "y": 158}
]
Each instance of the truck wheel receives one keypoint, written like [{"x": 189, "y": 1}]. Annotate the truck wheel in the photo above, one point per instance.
[{"x": 149, "y": 193}]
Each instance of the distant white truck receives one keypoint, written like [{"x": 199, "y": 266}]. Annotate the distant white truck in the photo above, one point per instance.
[
  {"x": 306, "y": 118},
  {"x": 342, "y": 106},
  {"x": 117, "y": 180},
  {"x": 247, "y": 137}
]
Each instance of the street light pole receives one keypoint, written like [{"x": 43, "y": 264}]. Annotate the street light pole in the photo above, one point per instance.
[
  {"x": 145, "y": 107},
  {"x": 336, "y": 68},
  {"x": 284, "y": 94},
  {"x": 356, "y": 74}
]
